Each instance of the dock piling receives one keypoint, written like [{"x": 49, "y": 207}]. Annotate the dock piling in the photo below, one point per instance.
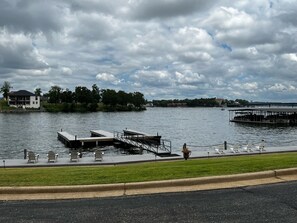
[{"x": 225, "y": 145}]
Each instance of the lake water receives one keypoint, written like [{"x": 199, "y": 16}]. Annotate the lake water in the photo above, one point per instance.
[{"x": 198, "y": 127}]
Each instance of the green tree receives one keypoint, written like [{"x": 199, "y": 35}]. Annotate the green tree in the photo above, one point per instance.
[
  {"x": 83, "y": 95},
  {"x": 109, "y": 97},
  {"x": 5, "y": 89},
  {"x": 138, "y": 99},
  {"x": 122, "y": 98},
  {"x": 54, "y": 94},
  {"x": 242, "y": 102},
  {"x": 38, "y": 91},
  {"x": 67, "y": 96},
  {"x": 95, "y": 93}
]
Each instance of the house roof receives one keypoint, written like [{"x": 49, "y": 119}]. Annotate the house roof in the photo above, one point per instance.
[
  {"x": 265, "y": 109},
  {"x": 21, "y": 93}
]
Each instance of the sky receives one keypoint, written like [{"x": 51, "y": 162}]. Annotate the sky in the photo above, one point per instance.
[{"x": 166, "y": 49}]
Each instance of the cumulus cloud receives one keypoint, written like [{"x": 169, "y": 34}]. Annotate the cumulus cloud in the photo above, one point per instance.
[
  {"x": 160, "y": 78},
  {"x": 163, "y": 48},
  {"x": 17, "y": 52},
  {"x": 106, "y": 77},
  {"x": 66, "y": 71},
  {"x": 189, "y": 78},
  {"x": 290, "y": 56}
]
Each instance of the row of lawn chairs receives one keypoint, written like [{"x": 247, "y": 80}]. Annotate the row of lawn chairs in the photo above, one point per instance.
[
  {"x": 33, "y": 157},
  {"x": 244, "y": 148},
  {"x": 74, "y": 156},
  {"x": 52, "y": 157}
]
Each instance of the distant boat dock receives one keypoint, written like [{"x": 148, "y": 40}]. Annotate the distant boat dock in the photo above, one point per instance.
[
  {"x": 127, "y": 138},
  {"x": 284, "y": 116}
]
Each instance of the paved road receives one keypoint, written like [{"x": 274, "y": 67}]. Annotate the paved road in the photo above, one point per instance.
[{"x": 270, "y": 203}]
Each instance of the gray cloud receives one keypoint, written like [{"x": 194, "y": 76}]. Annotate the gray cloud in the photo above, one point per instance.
[
  {"x": 146, "y": 10},
  {"x": 30, "y": 16},
  {"x": 17, "y": 52},
  {"x": 164, "y": 48}
]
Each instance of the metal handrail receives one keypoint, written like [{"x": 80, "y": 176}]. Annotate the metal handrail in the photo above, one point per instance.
[{"x": 138, "y": 141}]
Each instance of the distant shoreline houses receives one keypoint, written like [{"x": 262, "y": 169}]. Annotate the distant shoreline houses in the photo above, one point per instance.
[{"x": 23, "y": 99}]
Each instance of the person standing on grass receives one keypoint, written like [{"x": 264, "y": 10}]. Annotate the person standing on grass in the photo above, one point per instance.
[{"x": 186, "y": 151}]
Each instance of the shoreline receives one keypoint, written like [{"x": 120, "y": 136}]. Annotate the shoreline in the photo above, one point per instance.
[
  {"x": 121, "y": 160},
  {"x": 147, "y": 187}
]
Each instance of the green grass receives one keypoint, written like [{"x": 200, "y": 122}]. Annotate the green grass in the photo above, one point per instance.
[
  {"x": 88, "y": 175},
  {"x": 4, "y": 106}
]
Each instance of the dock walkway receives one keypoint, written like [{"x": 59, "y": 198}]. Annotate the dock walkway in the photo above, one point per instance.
[{"x": 117, "y": 160}]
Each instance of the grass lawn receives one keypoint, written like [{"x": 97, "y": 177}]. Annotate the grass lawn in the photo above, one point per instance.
[
  {"x": 4, "y": 106},
  {"x": 87, "y": 175}
]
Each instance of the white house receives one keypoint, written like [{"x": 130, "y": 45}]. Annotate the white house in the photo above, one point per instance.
[{"x": 23, "y": 99}]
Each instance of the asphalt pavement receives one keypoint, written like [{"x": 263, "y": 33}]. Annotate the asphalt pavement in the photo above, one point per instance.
[{"x": 265, "y": 203}]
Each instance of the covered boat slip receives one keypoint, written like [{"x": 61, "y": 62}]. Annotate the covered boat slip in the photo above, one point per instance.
[{"x": 286, "y": 116}]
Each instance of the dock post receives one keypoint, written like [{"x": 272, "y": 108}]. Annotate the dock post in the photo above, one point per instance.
[{"x": 225, "y": 145}]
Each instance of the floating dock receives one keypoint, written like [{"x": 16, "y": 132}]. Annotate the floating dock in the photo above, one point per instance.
[
  {"x": 128, "y": 138},
  {"x": 98, "y": 138}
]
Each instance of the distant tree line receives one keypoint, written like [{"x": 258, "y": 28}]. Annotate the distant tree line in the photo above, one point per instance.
[
  {"x": 84, "y": 99},
  {"x": 202, "y": 102},
  {"x": 237, "y": 103}
]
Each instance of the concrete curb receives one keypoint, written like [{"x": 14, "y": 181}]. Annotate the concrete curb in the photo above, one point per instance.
[
  {"x": 286, "y": 172},
  {"x": 120, "y": 189},
  {"x": 61, "y": 189},
  {"x": 201, "y": 180}
]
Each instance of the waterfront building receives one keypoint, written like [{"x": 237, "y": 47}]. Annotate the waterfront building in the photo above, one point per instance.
[{"x": 23, "y": 99}]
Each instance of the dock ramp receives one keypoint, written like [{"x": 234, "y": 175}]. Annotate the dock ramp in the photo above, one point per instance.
[{"x": 141, "y": 141}]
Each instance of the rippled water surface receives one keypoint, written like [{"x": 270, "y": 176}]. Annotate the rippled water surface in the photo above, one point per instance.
[{"x": 197, "y": 127}]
